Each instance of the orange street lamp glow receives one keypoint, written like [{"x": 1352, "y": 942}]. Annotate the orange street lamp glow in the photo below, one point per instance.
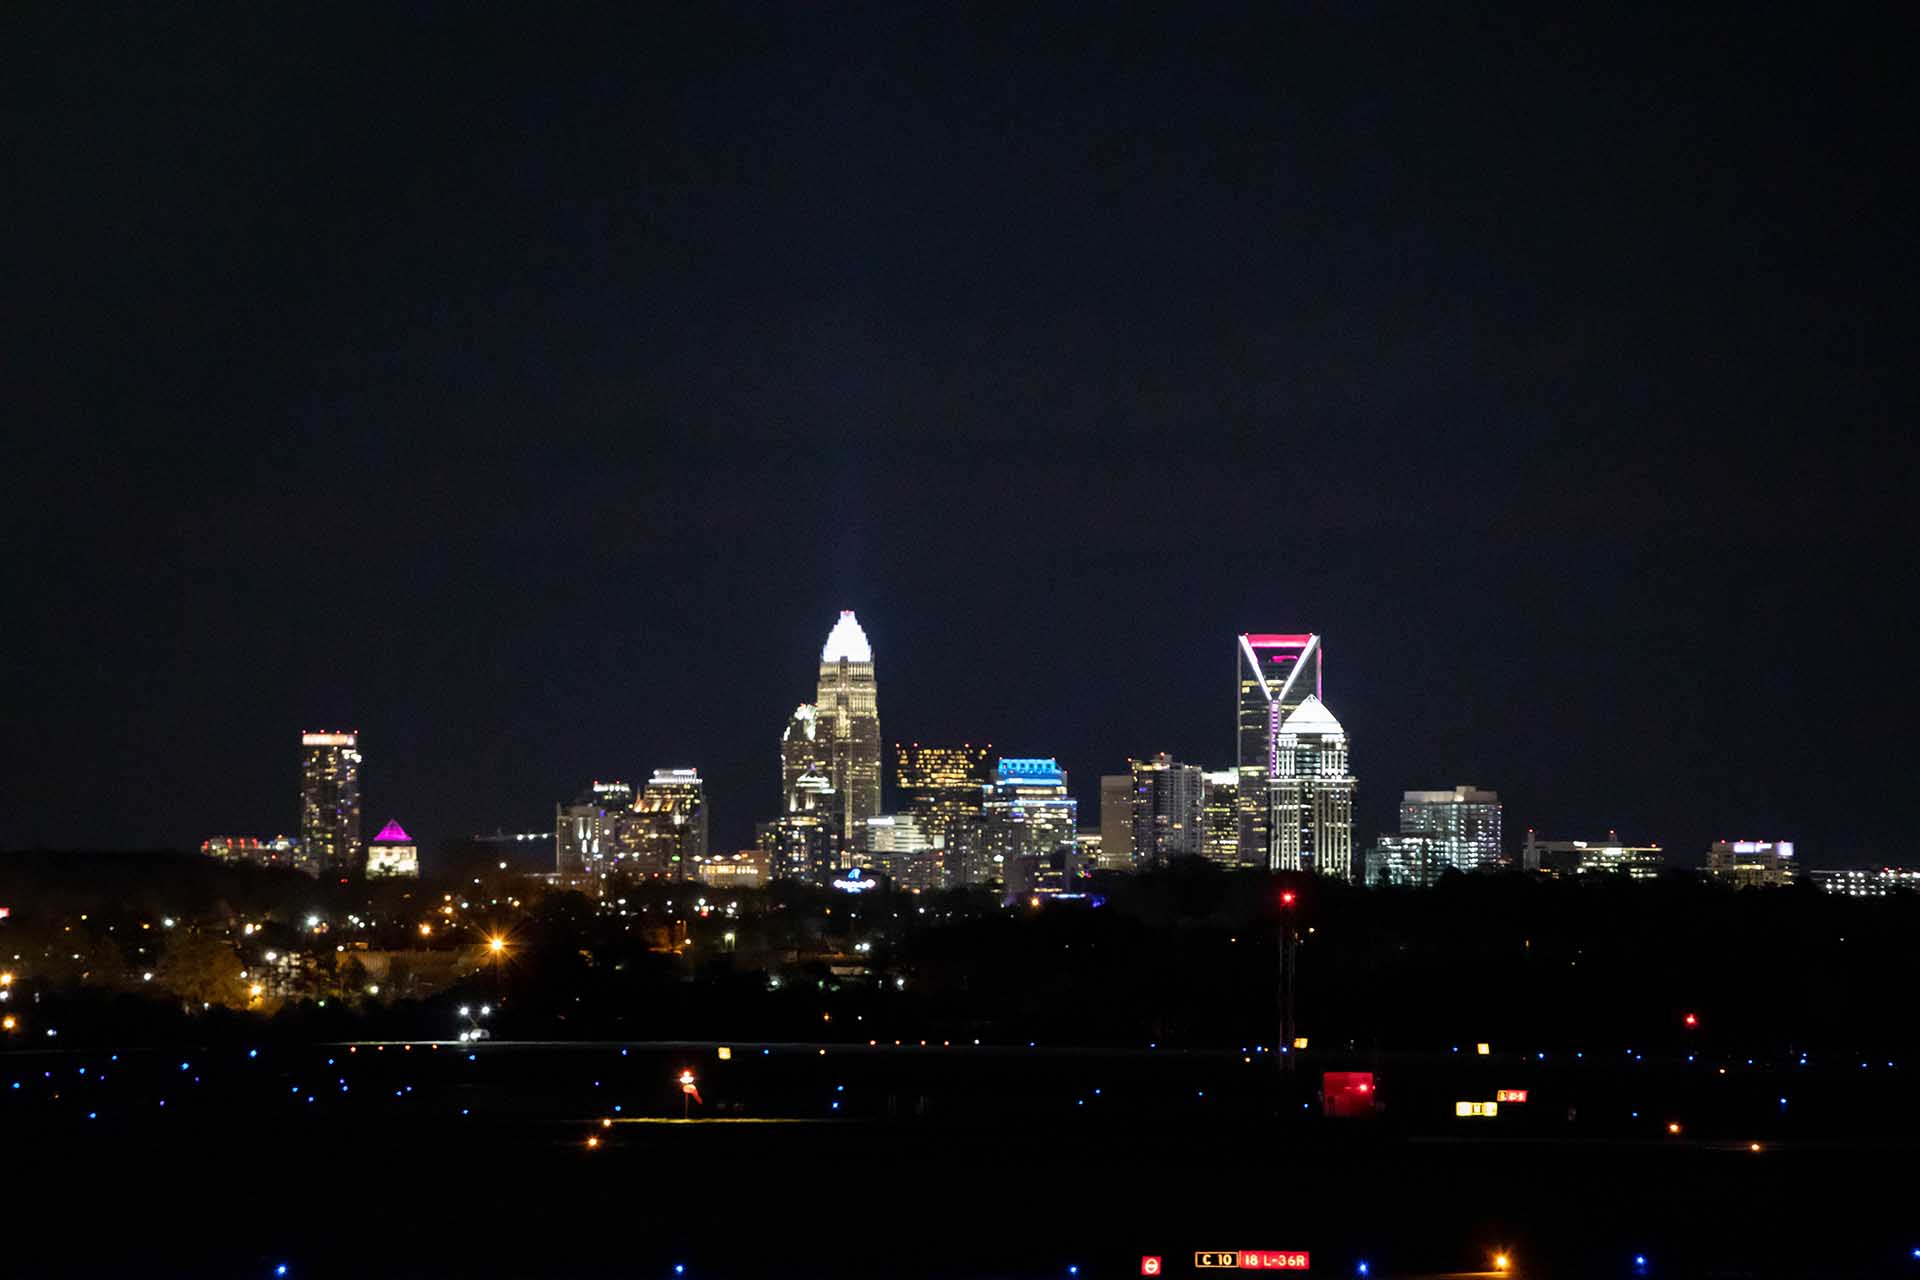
[
  {"x": 1674, "y": 1127},
  {"x": 9, "y": 1022},
  {"x": 426, "y": 930},
  {"x": 593, "y": 1142},
  {"x": 496, "y": 944},
  {"x": 1499, "y": 1262}
]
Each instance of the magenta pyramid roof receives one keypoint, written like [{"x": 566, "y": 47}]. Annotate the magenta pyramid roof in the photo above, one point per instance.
[{"x": 392, "y": 834}]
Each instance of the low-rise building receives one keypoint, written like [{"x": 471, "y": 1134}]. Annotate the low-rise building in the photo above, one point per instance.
[
  {"x": 1752, "y": 864},
  {"x": 1592, "y": 857},
  {"x": 1860, "y": 882}
]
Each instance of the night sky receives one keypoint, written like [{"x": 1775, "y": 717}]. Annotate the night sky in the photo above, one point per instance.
[{"x": 530, "y": 392}]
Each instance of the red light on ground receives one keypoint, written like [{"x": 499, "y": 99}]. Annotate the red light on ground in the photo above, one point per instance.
[
  {"x": 1286, "y": 899},
  {"x": 1693, "y": 1019},
  {"x": 1347, "y": 1093},
  {"x": 1149, "y": 1266}
]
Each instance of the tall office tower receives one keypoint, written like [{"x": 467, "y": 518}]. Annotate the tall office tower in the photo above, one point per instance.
[
  {"x": 330, "y": 802},
  {"x": 940, "y": 787},
  {"x": 1752, "y": 864},
  {"x": 1313, "y": 793},
  {"x": 804, "y": 842},
  {"x": 585, "y": 833},
  {"x": 849, "y": 714},
  {"x": 1220, "y": 816},
  {"x": 1167, "y": 805},
  {"x": 1032, "y": 822},
  {"x": 666, "y": 830},
  {"x": 393, "y": 854},
  {"x": 1275, "y": 674},
  {"x": 1462, "y": 827},
  {"x": 1116, "y": 822}
]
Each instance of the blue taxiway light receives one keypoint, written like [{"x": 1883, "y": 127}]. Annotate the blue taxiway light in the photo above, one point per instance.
[{"x": 1361, "y": 1269}]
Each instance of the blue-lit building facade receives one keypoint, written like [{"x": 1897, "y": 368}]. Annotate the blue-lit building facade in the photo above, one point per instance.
[{"x": 1032, "y": 824}]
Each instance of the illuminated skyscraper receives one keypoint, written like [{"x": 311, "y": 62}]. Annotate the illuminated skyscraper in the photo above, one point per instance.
[
  {"x": 1274, "y": 675},
  {"x": 330, "y": 802},
  {"x": 1313, "y": 793},
  {"x": 1032, "y": 824},
  {"x": 1220, "y": 816},
  {"x": 848, "y": 707},
  {"x": 665, "y": 832},
  {"x": 1116, "y": 822},
  {"x": 941, "y": 787},
  {"x": 804, "y": 842},
  {"x": 1167, "y": 804}
]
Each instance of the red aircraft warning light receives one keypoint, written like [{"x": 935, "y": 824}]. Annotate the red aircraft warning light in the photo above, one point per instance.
[
  {"x": 1286, "y": 899},
  {"x": 1693, "y": 1019}
]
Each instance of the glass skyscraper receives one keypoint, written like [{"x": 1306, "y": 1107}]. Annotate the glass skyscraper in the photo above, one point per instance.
[
  {"x": 1274, "y": 675},
  {"x": 330, "y": 802}
]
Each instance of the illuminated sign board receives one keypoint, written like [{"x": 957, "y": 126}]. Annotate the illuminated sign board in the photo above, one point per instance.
[
  {"x": 1510, "y": 1095},
  {"x": 726, "y": 1053},
  {"x": 1476, "y": 1108},
  {"x": 855, "y": 883},
  {"x": 326, "y": 739},
  {"x": 1149, "y": 1265},
  {"x": 1252, "y": 1260},
  {"x": 1483, "y": 1048}
]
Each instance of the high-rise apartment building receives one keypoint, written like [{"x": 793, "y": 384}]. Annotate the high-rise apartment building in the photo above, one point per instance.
[
  {"x": 330, "y": 802},
  {"x": 1274, "y": 674},
  {"x": 1313, "y": 793},
  {"x": 1752, "y": 864},
  {"x": 1167, "y": 806},
  {"x": 665, "y": 833},
  {"x": 1032, "y": 821},
  {"x": 941, "y": 788},
  {"x": 849, "y": 723},
  {"x": 1457, "y": 830},
  {"x": 1116, "y": 822},
  {"x": 1220, "y": 816}
]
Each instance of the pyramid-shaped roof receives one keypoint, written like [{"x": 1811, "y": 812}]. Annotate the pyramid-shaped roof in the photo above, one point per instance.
[
  {"x": 847, "y": 640},
  {"x": 1311, "y": 716},
  {"x": 393, "y": 833}
]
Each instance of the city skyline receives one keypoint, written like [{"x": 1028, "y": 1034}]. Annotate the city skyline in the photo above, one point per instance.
[{"x": 958, "y": 382}]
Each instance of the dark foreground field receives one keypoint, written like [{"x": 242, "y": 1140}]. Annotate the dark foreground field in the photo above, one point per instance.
[{"x": 943, "y": 1161}]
